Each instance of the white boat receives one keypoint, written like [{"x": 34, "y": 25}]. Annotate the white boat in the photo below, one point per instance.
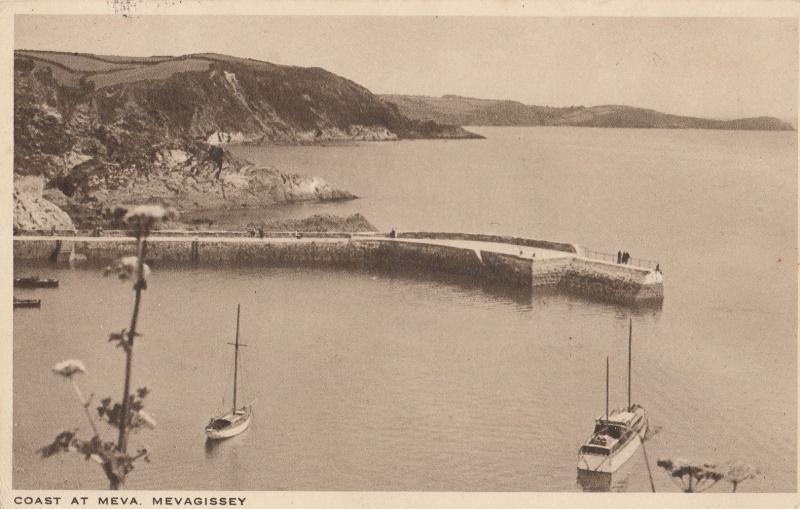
[
  {"x": 617, "y": 435},
  {"x": 231, "y": 423}
]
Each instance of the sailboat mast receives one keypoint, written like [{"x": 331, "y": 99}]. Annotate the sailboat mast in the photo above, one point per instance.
[
  {"x": 236, "y": 358},
  {"x": 606, "y": 388},
  {"x": 630, "y": 343}
]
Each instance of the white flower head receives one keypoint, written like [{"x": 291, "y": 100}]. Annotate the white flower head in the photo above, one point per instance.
[
  {"x": 739, "y": 471},
  {"x": 147, "y": 212},
  {"x": 69, "y": 367},
  {"x": 127, "y": 268},
  {"x": 146, "y": 419}
]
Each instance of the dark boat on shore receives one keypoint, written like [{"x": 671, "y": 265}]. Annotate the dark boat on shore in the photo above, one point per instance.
[
  {"x": 27, "y": 303},
  {"x": 35, "y": 282}
]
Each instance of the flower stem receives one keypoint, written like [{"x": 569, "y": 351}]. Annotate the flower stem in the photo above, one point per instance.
[
  {"x": 122, "y": 442},
  {"x": 85, "y": 405}
]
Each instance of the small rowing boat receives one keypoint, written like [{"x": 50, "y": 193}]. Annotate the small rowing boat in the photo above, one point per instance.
[
  {"x": 35, "y": 282},
  {"x": 27, "y": 303}
]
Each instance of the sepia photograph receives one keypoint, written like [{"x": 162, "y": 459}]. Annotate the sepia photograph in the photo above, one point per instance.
[{"x": 404, "y": 253}]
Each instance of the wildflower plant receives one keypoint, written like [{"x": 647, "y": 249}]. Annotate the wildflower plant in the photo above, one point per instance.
[
  {"x": 128, "y": 414},
  {"x": 691, "y": 477}
]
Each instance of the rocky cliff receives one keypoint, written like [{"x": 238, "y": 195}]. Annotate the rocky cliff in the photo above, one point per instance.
[
  {"x": 471, "y": 111},
  {"x": 106, "y": 129}
]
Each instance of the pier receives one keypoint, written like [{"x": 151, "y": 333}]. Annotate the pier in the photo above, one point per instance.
[{"x": 513, "y": 261}]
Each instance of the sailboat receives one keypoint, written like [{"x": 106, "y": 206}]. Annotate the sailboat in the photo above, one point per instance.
[
  {"x": 618, "y": 434},
  {"x": 231, "y": 423}
]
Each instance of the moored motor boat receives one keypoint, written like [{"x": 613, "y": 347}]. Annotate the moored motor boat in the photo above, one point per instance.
[
  {"x": 615, "y": 439},
  {"x": 617, "y": 435},
  {"x": 27, "y": 303},
  {"x": 35, "y": 282}
]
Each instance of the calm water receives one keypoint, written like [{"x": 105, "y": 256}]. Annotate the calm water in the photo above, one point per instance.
[{"x": 376, "y": 382}]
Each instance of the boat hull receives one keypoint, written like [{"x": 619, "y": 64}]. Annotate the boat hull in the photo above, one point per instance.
[
  {"x": 238, "y": 424},
  {"x": 27, "y": 303},
  {"x": 35, "y": 283},
  {"x": 610, "y": 464}
]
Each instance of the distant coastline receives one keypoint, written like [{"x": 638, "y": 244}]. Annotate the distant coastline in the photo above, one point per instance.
[{"x": 470, "y": 111}]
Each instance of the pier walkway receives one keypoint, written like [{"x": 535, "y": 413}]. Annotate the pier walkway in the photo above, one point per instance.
[{"x": 494, "y": 247}]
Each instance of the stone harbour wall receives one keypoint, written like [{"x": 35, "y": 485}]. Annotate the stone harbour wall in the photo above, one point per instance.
[
  {"x": 357, "y": 252},
  {"x": 305, "y": 254},
  {"x": 608, "y": 282},
  {"x": 590, "y": 278},
  {"x": 511, "y": 269},
  {"x": 599, "y": 280},
  {"x": 549, "y": 271},
  {"x": 428, "y": 257}
]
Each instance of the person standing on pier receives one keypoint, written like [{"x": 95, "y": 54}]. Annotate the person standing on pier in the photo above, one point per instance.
[{"x": 619, "y": 257}]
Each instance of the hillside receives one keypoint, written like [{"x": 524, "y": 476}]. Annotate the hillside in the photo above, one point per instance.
[
  {"x": 201, "y": 94},
  {"x": 105, "y": 129},
  {"x": 459, "y": 110}
]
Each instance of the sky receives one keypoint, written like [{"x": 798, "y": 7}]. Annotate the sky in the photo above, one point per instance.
[{"x": 709, "y": 67}]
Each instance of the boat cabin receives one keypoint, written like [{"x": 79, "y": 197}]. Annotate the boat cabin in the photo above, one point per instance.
[
  {"x": 218, "y": 424},
  {"x": 228, "y": 420},
  {"x": 609, "y": 434}
]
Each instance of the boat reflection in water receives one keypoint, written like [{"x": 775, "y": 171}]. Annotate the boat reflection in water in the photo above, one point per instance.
[
  {"x": 594, "y": 481},
  {"x": 212, "y": 448},
  {"x": 618, "y": 482}
]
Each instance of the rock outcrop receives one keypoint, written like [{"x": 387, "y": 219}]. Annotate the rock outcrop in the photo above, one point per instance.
[{"x": 33, "y": 212}]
